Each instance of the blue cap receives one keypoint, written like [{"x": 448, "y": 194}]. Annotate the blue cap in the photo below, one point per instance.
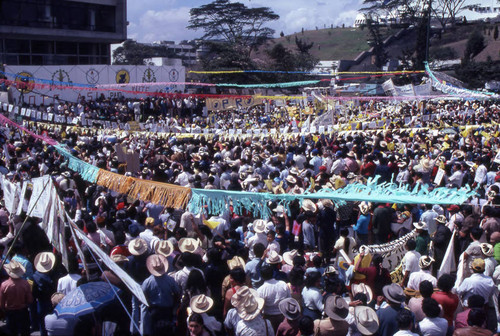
[{"x": 315, "y": 151}]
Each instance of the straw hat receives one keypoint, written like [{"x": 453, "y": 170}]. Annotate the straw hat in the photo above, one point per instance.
[
  {"x": 336, "y": 308},
  {"x": 273, "y": 258},
  {"x": 247, "y": 302},
  {"x": 477, "y": 265},
  {"x": 14, "y": 269},
  {"x": 164, "y": 248},
  {"x": 288, "y": 256},
  {"x": 45, "y": 261},
  {"x": 421, "y": 226},
  {"x": 290, "y": 179},
  {"x": 236, "y": 262},
  {"x": 364, "y": 208},
  {"x": 138, "y": 246},
  {"x": 425, "y": 262},
  {"x": 362, "y": 288},
  {"x": 308, "y": 205},
  {"x": 441, "y": 219},
  {"x": 366, "y": 320},
  {"x": 327, "y": 203},
  {"x": 201, "y": 303},
  {"x": 188, "y": 245},
  {"x": 487, "y": 249},
  {"x": 259, "y": 225},
  {"x": 150, "y": 221},
  {"x": 118, "y": 258},
  {"x": 290, "y": 308},
  {"x": 394, "y": 293},
  {"x": 330, "y": 269},
  {"x": 157, "y": 264}
]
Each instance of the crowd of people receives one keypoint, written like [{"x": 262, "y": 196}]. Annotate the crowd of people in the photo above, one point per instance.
[{"x": 306, "y": 270}]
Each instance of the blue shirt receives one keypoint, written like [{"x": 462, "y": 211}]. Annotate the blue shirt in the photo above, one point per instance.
[
  {"x": 252, "y": 269},
  {"x": 361, "y": 226},
  {"x": 161, "y": 291}
]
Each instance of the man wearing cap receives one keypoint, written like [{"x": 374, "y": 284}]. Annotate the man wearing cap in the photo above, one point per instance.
[
  {"x": 15, "y": 297},
  {"x": 456, "y": 217},
  {"x": 163, "y": 295},
  {"x": 387, "y": 316},
  {"x": 477, "y": 283},
  {"x": 336, "y": 310}
]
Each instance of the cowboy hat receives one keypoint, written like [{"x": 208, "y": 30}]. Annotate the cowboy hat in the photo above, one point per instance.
[
  {"x": 279, "y": 210},
  {"x": 14, "y": 269},
  {"x": 290, "y": 308},
  {"x": 201, "y": 303},
  {"x": 236, "y": 262},
  {"x": 259, "y": 225},
  {"x": 362, "y": 288},
  {"x": 188, "y": 245},
  {"x": 288, "y": 256},
  {"x": 273, "y": 258},
  {"x": 394, "y": 293},
  {"x": 290, "y": 179},
  {"x": 421, "y": 226},
  {"x": 487, "y": 249},
  {"x": 477, "y": 265},
  {"x": 336, "y": 308},
  {"x": 45, "y": 261},
  {"x": 327, "y": 203},
  {"x": 364, "y": 208},
  {"x": 247, "y": 302},
  {"x": 308, "y": 205},
  {"x": 425, "y": 262},
  {"x": 441, "y": 219},
  {"x": 157, "y": 265},
  {"x": 366, "y": 320},
  {"x": 164, "y": 248},
  {"x": 138, "y": 246},
  {"x": 330, "y": 269},
  {"x": 117, "y": 258}
]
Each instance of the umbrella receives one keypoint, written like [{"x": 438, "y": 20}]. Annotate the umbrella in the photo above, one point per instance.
[{"x": 86, "y": 299}]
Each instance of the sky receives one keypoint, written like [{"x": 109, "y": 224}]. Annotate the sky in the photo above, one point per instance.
[{"x": 157, "y": 20}]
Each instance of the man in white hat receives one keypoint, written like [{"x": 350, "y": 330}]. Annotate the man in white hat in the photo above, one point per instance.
[
  {"x": 15, "y": 297},
  {"x": 259, "y": 226},
  {"x": 163, "y": 295},
  {"x": 43, "y": 285},
  {"x": 425, "y": 264},
  {"x": 249, "y": 304}
]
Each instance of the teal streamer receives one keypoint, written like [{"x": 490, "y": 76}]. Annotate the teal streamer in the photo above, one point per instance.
[
  {"x": 218, "y": 201},
  {"x": 271, "y": 85},
  {"x": 87, "y": 171}
]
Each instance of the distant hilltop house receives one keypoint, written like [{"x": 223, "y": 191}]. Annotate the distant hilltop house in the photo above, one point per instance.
[{"x": 486, "y": 10}]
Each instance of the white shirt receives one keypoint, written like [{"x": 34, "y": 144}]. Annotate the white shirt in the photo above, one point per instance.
[
  {"x": 479, "y": 284},
  {"x": 405, "y": 333},
  {"x": 481, "y": 172},
  {"x": 417, "y": 277},
  {"x": 257, "y": 238},
  {"x": 274, "y": 246},
  {"x": 410, "y": 261},
  {"x": 273, "y": 291},
  {"x": 436, "y": 326},
  {"x": 232, "y": 319},
  {"x": 67, "y": 283},
  {"x": 255, "y": 327}
]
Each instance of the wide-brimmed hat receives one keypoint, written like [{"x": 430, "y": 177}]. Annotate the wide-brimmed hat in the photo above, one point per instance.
[
  {"x": 164, "y": 248},
  {"x": 201, "y": 303},
  {"x": 259, "y": 225},
  {"x": 330, "y": 269},
  {"x": 150, "y": 221},
  {"x": 138, "y": 246},
  {"x": 394, "y": 293},
  {"x": 327, "y": 203},
  {"x": 336, "y": 308},
  {"x": 290, "y": 179},
  {"x": 308, "y": 205},
  {"x": 188, "y": 245},
  {"x": 288, "y": 256},
  {"x": 478, "y": 265},
  {"x": 14, "y": 269},
  {"x": 366, "y": 320},
  {"x": 273, "y": 258},
  {"x": 362, "y": 288},
  {"x": 119, "y": 258},
  {"x": 425, "y": 262},
  {"x": 45, "y": 261},
  {"x": 290, "y": 308},
  {"x": 66, "y": 174},
  {"x": 421, "y": 226},
  {"x": 441, "y": 219},
  {"x": 247, "y": 302},
  {"x": 236, "y": 261},
  {"x": 157, "y": 264},
  {"x": 364, "y": 208},
  {"x": 487, "y": 249}
]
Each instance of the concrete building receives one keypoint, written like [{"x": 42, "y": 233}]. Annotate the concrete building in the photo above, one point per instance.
[{"x": 60, "y": 32}]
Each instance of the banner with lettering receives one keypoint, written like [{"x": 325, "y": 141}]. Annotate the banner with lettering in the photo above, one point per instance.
[{"x": 220, "y": 104}]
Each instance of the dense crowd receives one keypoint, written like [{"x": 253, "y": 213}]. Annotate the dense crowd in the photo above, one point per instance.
[{"x": 304, "y": 271}]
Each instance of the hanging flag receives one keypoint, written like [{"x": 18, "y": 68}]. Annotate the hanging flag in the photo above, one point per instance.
[{"x": 449, "y": 265}]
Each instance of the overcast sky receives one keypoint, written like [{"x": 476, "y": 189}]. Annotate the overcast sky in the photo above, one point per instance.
[{"x": 155, "y": 20}]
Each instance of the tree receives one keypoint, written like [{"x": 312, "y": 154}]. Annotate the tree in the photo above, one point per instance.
[
  {"x": 376, "y": 40},
  {"x": 134, "y": 53},
  {"x": 233, "y": 23},
  {"x": 495, "y": 33},
  {"x": 446, "y": 11},
  {"x": 475, "y": 44}
]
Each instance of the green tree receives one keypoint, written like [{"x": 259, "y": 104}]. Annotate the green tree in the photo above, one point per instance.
[
  {"x": 233, "y": 23},
  {"x": 134, "y": 53},
  {"x": 376, "y": 40},
  {"x": 475, "y": 44},
  {"x": 495, "y": 33}
]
